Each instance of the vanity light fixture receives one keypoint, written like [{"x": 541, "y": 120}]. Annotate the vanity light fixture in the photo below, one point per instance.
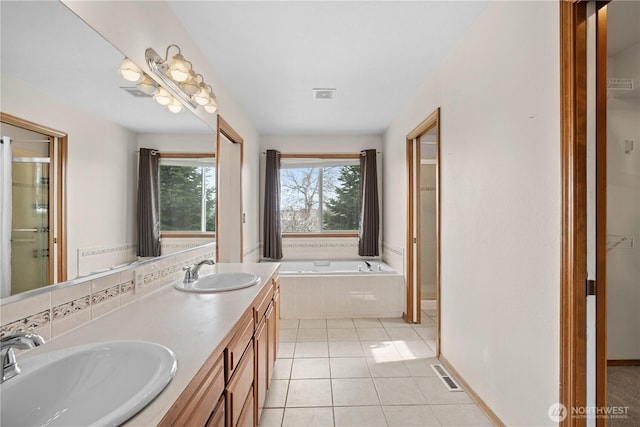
[
  {"x": 181, "y": 80},
  {"x": 178, "y": 84}
]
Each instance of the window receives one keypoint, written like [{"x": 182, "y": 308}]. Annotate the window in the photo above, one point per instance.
[
  {"x": 187, "y": 193},
  {"x": 320, "y": 194}
]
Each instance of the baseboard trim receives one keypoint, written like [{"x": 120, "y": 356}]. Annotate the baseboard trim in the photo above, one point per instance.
[
  {"x": 483, "y": 406},
  {"x": 623, "y": 362}
]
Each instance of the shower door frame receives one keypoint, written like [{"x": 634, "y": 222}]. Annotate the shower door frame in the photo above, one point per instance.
[{"x": 57, "y": 194}]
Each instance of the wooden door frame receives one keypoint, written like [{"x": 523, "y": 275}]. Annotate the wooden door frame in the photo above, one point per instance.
[
  {"x": 573, "y": 125},
  {"x": 59, "y": 156},
  {"x": 225, "y": 129},
  {"x": 431, "y": 122}
]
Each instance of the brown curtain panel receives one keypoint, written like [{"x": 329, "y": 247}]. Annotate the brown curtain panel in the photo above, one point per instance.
[
  {"x": 148, "y": 204},
  {"x": 272, "y": 235},
  {"x": 369, "y": 232}
]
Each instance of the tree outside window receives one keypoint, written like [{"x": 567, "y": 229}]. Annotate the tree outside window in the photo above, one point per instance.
[
  {"x": 187, "y": 195},
  {"x": 320, "y": 195}
]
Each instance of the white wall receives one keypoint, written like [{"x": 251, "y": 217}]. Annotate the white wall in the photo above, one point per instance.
[
  {"x": 501, "y": 205},
  {"x": 101, "y": 168},
  {"x": 132, "y": 27},
  {"x": 623, "y": 213}
]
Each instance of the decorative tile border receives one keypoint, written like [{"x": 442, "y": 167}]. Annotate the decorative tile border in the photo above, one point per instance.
[
  {"x": 106, "y": 250},
  {"x": 126, "y": 287},
  {"x": 392, "y": 249},
  {"x": 320, "y": 245},
  {"x": 71, "y": 307},
  {"x": 32, "y": 322},
  {"x": 252, "y": 251},
  {"x": 105, "y": 294}
]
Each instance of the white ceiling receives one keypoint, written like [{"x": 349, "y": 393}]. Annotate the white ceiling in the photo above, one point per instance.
[
  {"x": 623, "y": 25},
  {"x": 271, "y": 54}
]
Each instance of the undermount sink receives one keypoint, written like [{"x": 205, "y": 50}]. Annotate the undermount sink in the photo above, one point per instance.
[
  {"x": 93, "y": 385},
  {"x": 219, "y": 282}
]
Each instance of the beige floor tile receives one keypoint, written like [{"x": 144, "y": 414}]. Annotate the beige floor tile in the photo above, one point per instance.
[
  {"x": 282, "y": 369},
  {"x": 288, "y": 335},
  {"x": 345, "y": 349},
  {"x": 311, "y": 349},
  {"x": 426, "y": 332},
  {"x": 306, "y": 335},
  {"x": 354, "y": 392},
  {"x": 394, "y": 322},
  {"x": 342, "y": 334},
  {"x": 460, "y": 415},
  {"x": 271, "y": 417},
  {"x": 359, "y": 416},
  {"x": 428, "y": 321},
  {"x": 367, "y": 323},
  {"x": 310, "y": 368},
  {"x": 308, "y": 417},
  {"x": 413, "y": 349},
  {"x": 340, "y": 323},
  {"x": 309, "y": 393},
  {"x": 286, "y": 349},
  {"x": 410, "y": 416},
  {"x": 399, "y": 391},
  {"x": 313, "y": 324},
  {"x": 437, "y": 393},
  {"x": 277, "y": 394},
  {"x": 421, "y": 367},
  {"x": 403, "y": 334},
  {"x": 349, "y": 367},
  {"x": 289, "y": 323},
  {"x": 381, "y": 368},
  {"x": 380, "y": 350},
  {"x": 369, "y": 334}
]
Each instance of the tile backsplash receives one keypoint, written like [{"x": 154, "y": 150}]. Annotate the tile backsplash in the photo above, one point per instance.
[{"x": 67, "y": 306}]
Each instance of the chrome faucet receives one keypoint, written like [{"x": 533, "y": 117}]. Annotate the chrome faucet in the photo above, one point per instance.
[
  {"x": 21, "y": 341},
  {"x": 191, "y": 273}
]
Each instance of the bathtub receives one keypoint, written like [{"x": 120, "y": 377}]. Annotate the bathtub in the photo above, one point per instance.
[
  {"x": 334, "y": 267},
  {"x": 340, "y": 289}
]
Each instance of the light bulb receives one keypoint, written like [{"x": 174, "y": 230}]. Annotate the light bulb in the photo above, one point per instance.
[
  {"x": 191, "y": 85},
  {"x": 130, "y": 71},
  {"x": 147, "y": 85},
  {"x": 202, "y": 97},
  {"x": 179, "y": 68},
  {"x": 162, "y": 97},
  {"x": 212, "y": 106},
  {"x": 174, "y": 106}
]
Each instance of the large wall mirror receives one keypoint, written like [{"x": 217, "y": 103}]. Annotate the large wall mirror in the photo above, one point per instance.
[{"x": 59, "y": 74}]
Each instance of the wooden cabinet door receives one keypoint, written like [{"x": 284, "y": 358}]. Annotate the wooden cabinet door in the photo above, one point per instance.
[
  {"x": 262, "y": 367},
  {"x": 217, "y": 419},
  {"x": 276, "y": 323},
  {"x": 272, "y": 337},
  {"x": 239, "y": 386}
]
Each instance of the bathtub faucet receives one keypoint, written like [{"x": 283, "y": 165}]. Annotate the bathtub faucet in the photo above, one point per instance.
[
  {"x": 19, "y": 340},
  {"x": 191, "y": 273},
  {"x": 368, "y": 265}
]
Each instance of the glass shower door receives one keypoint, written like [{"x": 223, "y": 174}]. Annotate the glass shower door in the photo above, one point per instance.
[{"x": 30, "y": 224}]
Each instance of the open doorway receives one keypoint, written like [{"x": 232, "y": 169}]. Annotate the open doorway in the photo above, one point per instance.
[{"x": 423, "y": 231}]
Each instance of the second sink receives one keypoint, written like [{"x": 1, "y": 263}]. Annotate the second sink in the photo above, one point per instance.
[{"x": 219, "y": 282}]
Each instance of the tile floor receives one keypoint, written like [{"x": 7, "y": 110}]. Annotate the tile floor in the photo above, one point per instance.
[{"x": 364, "y": 373}]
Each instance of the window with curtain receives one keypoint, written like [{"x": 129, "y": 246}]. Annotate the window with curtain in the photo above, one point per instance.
[
  {"x": 187, "y": 194},
  {"x": 320, "y": 195}
]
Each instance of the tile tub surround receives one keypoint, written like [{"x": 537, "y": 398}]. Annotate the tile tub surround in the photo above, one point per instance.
[
  {"x": 388, "y": 382},
  {"x": 339, "y": 296},
  {"x": 192, "y": 325},
  {"x": 56, "y": 310}
]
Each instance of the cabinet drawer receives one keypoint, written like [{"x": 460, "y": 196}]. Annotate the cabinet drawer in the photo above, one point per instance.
[
  {"x": 217, "y": 419},
  {"x": 238, "y": 344},
  {"x": 240, "y": 386},
  {"x": 263, "y": 301}
]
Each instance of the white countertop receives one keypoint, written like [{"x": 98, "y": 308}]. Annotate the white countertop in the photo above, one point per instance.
[{"x": 190, "y": 324}]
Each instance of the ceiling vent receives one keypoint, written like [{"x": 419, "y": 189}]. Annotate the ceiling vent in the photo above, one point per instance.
[
  {"x": 324, "y": 93},
  {"x": 134, "y": 91},
  {"x": 620, "y": 84}
]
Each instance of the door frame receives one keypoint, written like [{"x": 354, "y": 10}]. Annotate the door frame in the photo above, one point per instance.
[
  {"x": 413, "y": 293},
  {"x": 57, "y": 239},
  {"x": 225, "y": 129},
  {"x": 573, "y": 128}
]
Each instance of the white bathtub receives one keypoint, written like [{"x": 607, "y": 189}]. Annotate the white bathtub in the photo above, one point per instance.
[
  {"x": 334, "y": 267},
  {"x": 340, "y": 289}
]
